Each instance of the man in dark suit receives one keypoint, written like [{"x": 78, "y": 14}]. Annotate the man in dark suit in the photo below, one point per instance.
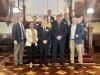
[
  {"x": 59, "y": 31},
  {"x": 76, "y": 33},
  {"x": 50, "y": 18},
  {"x": 18, "y": 37},
  {"x": 67, "y": 23},
  {"x": 81, "y": 22},
  {"x": 44, "y": 38}
]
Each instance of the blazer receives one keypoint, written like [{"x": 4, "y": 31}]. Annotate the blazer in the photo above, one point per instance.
[
  {"x": 29, "y": 37},
  {"x": 43, "y": 35},
  {"x": 61, "y": 31},
  {"x": 79, "y": 31},
  {"x": 16, "y": 32},
  {"x": 52, "y": 19},
  {"x": 65, "y": 21}
]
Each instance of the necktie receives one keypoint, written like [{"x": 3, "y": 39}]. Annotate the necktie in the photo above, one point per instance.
[
  {"x": 22, "y": 31},
  {"x": 58, "y": 25}
]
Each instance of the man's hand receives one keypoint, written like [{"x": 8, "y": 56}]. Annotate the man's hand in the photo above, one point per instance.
[
  {"x": 45, "y": 41},
  {"x": 59, "y": 37},
  {"x": 77, "y": 35},
  {"x": 36, "y": 44},
  {"x": 15, "y": 42},
  {"x": 33, "y": 42},
  {"x": 85, "y": 29}
]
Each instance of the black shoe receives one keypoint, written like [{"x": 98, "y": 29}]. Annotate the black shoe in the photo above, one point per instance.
[
  {"x": 80, "y": 65},
  {"x": 71, "y": 64},
  {"x": 46, "y": 65},
  {"x": 16, "y": 66},
  {"x": 21, "y": 65},
  {"x": 63, "y": 64},
  {"x": 40, "y": 65},
  {"x": 52, "y": 64}
]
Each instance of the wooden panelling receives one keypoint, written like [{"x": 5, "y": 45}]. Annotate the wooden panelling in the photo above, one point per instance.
[
  {"x": 4, "y": 8},
  {"x": 82, "y": 6},
  {"x": 96, "y": 38}
]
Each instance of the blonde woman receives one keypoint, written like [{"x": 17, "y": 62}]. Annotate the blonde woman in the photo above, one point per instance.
[
  {"x": 48, "y": 23},
  {"x": 44, "y": 38},
  {"x": 31, "y": 43}
]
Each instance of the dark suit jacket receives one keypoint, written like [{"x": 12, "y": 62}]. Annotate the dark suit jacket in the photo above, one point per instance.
[
  {"x": 59, "y": 31},
  {"x": 85, "y": 33},
  {"x": 43, "y": 35},
  {"x": 16, "y": 33},
  {"x": 66, "y": 23},
  {"x": 79, "y": 31},
  {"x": 52, "y": 20}
]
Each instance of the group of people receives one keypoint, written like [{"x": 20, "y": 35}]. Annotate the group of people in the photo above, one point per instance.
[{"x": 48, "y": 36}]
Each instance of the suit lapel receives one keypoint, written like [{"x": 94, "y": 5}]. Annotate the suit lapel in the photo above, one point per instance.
[{"x": 19, "y": 28}]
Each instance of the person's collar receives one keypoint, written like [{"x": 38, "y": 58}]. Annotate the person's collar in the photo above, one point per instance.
[
  {"x": 20, "y": 23},
  {"x": 43, "y": 26},
  {"x": 74, "y": 24},
  {"x": 49, "y": 16},
  {"x": 59, "y": 22}
]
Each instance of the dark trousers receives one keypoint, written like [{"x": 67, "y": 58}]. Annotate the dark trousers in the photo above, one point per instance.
[
  {"x": 61, "y": 45},
  {"x": 49, "y": 47},
  {"x": 43, "y": 54},
  {"x": 31, "y": 53}
]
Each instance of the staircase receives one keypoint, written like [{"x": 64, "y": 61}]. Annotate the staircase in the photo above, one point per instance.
[{"x": 86, "y": 58}]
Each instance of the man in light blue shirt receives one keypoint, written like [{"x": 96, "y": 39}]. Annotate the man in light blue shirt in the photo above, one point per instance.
[{"x": 76, "y": 33}]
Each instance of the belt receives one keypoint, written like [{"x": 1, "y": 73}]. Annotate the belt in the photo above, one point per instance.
[{"x": 72, "y": 39}]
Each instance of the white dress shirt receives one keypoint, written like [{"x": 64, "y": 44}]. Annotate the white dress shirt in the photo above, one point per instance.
[
  {"x": 49, "y": 18},
  {"x": 73, "y": 30},
  {"x": 44, "y": 28}
]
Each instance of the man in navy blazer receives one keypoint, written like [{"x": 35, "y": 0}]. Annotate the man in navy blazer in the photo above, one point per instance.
[
  {"x": 18, "y": 37},
  {"x": 59, "y": 31},
  {"x": 76, "y": 33}
]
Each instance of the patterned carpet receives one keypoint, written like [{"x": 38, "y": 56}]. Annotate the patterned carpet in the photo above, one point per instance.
[
  {"x": 86, "y": 58},
  {"x": 86, "y": 69},
  {"x": 9, "y": 69}
]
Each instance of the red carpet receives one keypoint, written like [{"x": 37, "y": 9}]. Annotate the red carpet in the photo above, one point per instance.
[{"x": 86, "y": 58}]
